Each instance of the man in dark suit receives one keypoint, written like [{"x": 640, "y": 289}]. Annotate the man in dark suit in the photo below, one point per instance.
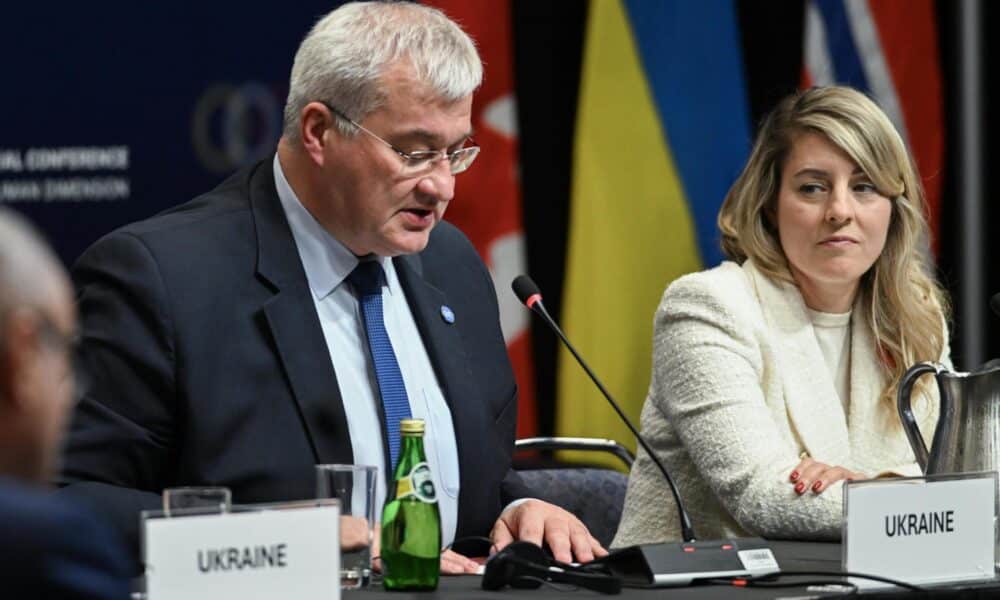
[
  {"x": 292, "y": 315},
  {"x": 48, "y": 547}
]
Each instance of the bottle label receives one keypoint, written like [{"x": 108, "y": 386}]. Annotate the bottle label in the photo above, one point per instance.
[{"x": 418, "y": 484}]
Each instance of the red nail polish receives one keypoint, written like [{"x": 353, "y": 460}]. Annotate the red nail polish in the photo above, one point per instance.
[
  {"x": 800, "y": 487},
  {"x": 817, "y": 485},
  {"x": 794, "y": 475}
]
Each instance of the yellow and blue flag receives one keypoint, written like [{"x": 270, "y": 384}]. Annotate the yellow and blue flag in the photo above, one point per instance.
[{"x": 662, "y": 131}]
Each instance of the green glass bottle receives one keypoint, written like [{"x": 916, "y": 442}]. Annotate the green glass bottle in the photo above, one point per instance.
[{"x": 411, "y": 522}]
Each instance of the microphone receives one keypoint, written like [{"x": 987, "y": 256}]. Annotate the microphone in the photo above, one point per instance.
[
  {"x": 529, "y": 295},
  {"x": 994, "y": 304},
  {"x": 664, "y": 564}
]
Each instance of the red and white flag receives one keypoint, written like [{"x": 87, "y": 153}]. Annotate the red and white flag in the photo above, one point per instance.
[
  {"x": 889, "y": 50},
  {"x": 487, "y": 204}
]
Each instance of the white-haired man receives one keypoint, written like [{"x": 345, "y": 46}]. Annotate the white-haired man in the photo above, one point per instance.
[
  {"x": 295, "y": 313},
  {"x": 49, "y": 548}
]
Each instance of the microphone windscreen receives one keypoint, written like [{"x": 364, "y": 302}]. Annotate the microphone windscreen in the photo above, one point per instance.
[
  {"x": 995, "y": 304},
  {"x": 524, "y": 288}
]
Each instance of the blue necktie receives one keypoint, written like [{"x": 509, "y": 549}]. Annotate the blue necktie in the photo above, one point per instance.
[{"x": 367, "y": 279}]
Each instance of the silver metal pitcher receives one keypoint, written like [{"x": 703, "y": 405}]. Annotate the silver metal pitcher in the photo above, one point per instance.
[{"x": 967, "y": 437}]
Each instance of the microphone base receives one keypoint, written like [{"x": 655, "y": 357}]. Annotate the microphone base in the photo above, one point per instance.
[{"x": 682, "y": 563}]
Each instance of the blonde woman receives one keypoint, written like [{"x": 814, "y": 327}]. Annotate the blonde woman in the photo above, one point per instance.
[{"x": 774, "y": 375}]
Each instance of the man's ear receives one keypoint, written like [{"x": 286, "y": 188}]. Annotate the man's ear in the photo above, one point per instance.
[
  {"x": 18, "y": 353},
  {"x": 315, "y": 127}
]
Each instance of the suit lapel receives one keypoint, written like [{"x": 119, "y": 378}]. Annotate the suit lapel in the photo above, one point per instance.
[
  {"x": 814, "y": 408},
  {"x": 294, "y": 325},
  {"x": 441, "y": 339},
  {"x": 446, "y": 351}
]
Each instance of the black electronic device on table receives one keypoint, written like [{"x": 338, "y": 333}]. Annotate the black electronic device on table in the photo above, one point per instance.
[{"x": 525, "y": 565}]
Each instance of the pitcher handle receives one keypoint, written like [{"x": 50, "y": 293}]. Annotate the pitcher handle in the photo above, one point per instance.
[{"x": 906, "y": 412}]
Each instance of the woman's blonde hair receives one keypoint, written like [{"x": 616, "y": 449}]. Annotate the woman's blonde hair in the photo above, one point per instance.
[{"x": 899, "y": 298}]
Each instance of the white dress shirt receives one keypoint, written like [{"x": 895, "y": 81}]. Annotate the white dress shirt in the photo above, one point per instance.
[{"x": 327, "y": 264}]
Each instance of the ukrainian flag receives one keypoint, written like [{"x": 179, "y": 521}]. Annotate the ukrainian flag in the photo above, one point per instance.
[{"x": 662, "y": 132}]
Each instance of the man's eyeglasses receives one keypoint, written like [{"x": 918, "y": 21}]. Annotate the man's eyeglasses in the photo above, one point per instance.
[
  {"x": 53, "y": 337},
  {"x": 422, "y": 161}
]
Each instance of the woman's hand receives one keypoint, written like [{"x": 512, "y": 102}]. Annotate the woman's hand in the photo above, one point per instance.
[{"x": 817, "y": 476}]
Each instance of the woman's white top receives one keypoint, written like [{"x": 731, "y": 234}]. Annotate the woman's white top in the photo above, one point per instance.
[{"x": 833, "y": 332}]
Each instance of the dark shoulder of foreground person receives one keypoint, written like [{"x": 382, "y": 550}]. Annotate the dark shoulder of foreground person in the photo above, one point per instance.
[{"x": 53, "y": 549}]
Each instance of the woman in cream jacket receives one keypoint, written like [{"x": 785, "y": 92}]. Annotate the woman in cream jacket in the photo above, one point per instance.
[{"x": 774, "y": 375}]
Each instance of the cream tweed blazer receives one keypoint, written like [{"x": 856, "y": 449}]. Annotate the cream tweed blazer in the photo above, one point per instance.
[{"x": 739, "y": 389}]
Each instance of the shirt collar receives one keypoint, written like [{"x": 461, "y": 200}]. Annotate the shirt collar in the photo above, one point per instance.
[{"x": 326, "y": 261}]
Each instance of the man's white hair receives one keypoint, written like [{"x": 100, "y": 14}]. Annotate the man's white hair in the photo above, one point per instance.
[{"x": 343, "y": 58}]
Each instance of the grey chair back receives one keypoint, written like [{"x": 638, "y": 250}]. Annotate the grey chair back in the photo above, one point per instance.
[{"x": 594, "y": 495}]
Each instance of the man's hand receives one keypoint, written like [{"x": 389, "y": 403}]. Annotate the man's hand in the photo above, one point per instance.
[
  {"x": 536, "y": 521},
  {"x": 353, "y": 533},
  {"x": 452, "y": 563}
]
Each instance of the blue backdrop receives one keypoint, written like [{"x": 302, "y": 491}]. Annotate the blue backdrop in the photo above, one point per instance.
[{"x": 113, "y": 111}]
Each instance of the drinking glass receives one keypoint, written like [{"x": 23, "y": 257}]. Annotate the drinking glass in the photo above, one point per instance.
[{"x": 354, "y": 487}]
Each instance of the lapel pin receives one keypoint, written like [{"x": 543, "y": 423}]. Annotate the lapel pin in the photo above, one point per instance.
[{"x": 447, "y": 314}]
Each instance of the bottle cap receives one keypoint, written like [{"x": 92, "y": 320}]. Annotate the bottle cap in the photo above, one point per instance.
[{"x": 411, "y": 426}]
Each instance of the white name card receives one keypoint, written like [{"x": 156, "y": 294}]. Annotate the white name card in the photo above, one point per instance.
[
  {"x": 921, "y": 530},
  {"x": 292, "y": 553}
]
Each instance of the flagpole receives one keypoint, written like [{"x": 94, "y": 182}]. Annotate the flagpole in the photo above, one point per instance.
[{"x": 970, "y": 182}]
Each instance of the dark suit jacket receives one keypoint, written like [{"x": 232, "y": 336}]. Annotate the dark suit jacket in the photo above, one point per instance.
[
  {"x": 209, "y": 366},
  {"x": 51, "y": 549}
]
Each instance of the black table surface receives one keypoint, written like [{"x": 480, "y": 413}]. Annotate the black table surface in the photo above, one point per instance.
[{"x": 791, "y": 556}]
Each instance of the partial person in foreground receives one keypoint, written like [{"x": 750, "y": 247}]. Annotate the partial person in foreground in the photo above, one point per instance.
[
  {"x": 774, "y": 375},
  {"x": 48, "y": 547},
  {"x": 293, "y": 315}
]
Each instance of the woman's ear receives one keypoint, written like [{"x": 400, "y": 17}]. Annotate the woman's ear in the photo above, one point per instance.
[{"x": 769, "y": 214}]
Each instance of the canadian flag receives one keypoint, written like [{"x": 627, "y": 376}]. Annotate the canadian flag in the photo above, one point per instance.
[{"x": 487, "y": 205}]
